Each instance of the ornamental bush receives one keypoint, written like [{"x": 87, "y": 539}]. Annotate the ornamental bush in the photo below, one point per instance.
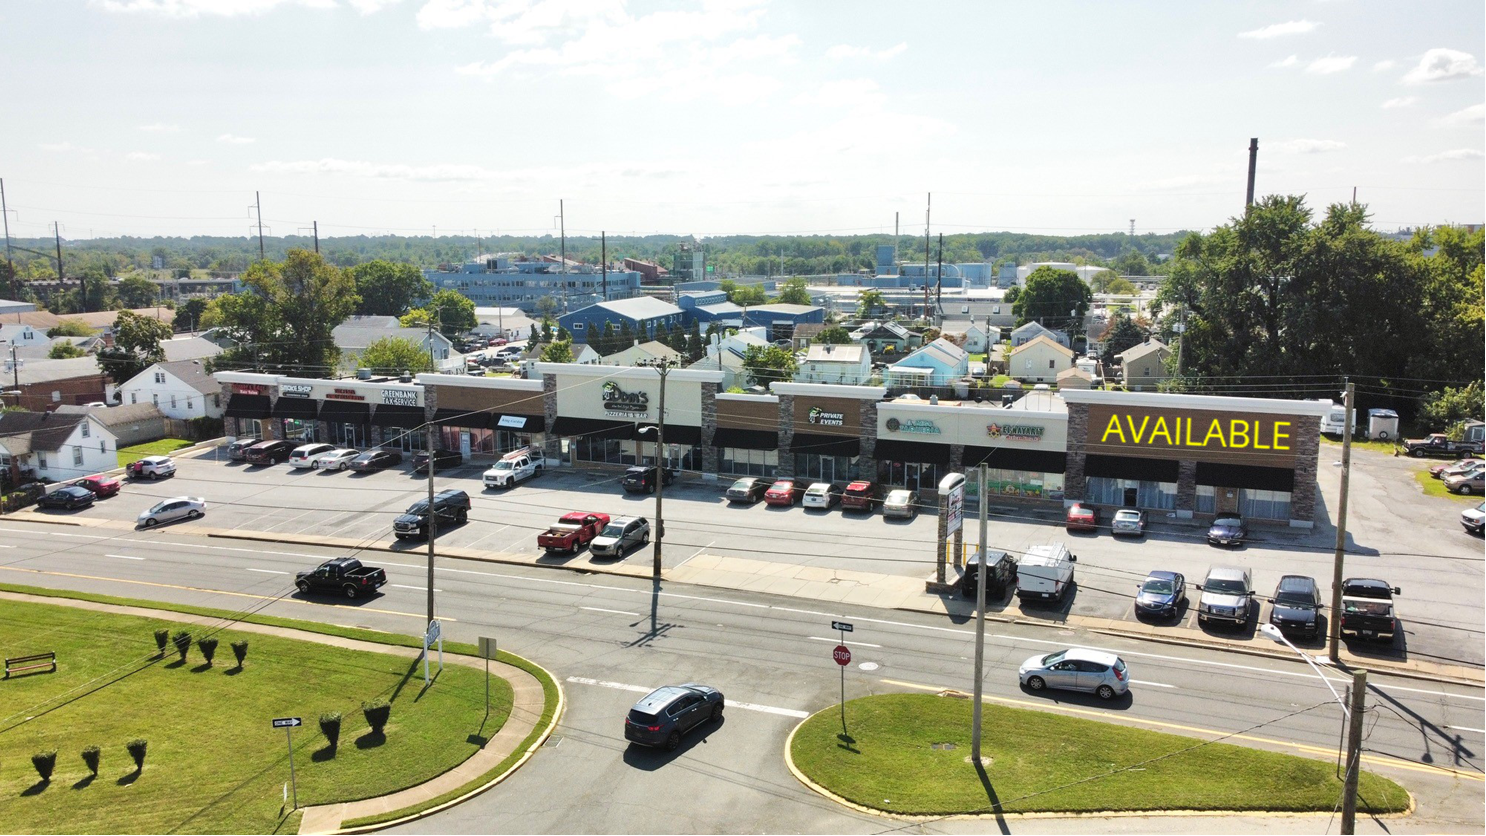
[
  {"x": 90, "y": 757},
  {"x": 376, "y": 713},
  {"x": 208, "y": 648},
  {"x": 137, "y": 748},
  {"x": 182, "y": 641}
]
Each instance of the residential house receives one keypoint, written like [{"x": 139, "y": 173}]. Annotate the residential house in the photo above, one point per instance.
[
  {"x": 131, "y": 424},
  {"x": 886, "y": 338},
  {"x": 939, "y": 363},
  {"x": 508, "y": 322},
  {"x": 979, "y": 337},
  {"x": 43, "y": 385},
  {"x": 1075, "y": 378},
  {"x": 53, "y": 446},
  {"x": 738, "y": 341},
  {"x": 583, "y": 354},
  {"x": 806, "y": 333},
  {"x": 189, "y": 347},
  {"x": 181, "y": 390},
  {"x": 729, "y": 361},
  {"x": 355, "y": 334},
  {"x": 1032, "y": 330},
  {"x": 21, "y": 335},
  {"x": 1038, "y": 361},
  {"x": 643, "y": 314},
  {"x": 849, "y": 365},
  {"x": 642, "y": 354},
  {"x": 1143, "y": 367}
]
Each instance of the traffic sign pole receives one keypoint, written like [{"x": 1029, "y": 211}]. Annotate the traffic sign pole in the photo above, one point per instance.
[
  {"x": 842, "y": 655},
  {"x": 288, "y": 724}
]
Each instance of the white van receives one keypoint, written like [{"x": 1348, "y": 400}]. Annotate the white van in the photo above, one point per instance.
[{"x": 1045, "y": 573}]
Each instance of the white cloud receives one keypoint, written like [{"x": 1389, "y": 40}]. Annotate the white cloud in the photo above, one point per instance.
[
  {"x": 841, "y": 51},
  {"x": 452, "y": 14},
  {"x": 1448, "y": 156},
  {"x": 196, "y": 162},
  {"x": 196, "y": 8},
  {"x": 1293, "y": 27},
  {"x": 1386, "y": 64},
  {"x": 1442, "y": 65},
  {"x": 367, "y": 7},
  {"x": 1464, "y": 118},
  {"x": 1286, "y": 62},
  {"x": 58, "y": 147},
  {"x": 141, "y": 156},
  {"x": 1309, "y": 146},
  {"x": 232, "y": 139},
  {"x": 1331, "y": 64},
  {"x": 362, "y": 168},
  {"x": 1402, "y": 101},
  {"x": 160, "y": 128},
  {"x": 850, "y": 92}
]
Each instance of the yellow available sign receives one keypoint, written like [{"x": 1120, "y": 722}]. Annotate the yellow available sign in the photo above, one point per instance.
[{"x": 1231, "y": 433}]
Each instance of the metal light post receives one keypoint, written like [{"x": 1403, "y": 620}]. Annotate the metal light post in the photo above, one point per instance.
[
  {"x": 980, "y": 615},
  {"x": 664, "y": 367},
  {"x": 1334, "y": 623}
]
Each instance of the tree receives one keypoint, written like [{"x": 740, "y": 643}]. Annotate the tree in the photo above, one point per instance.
[
  {"x": 833, "y": 336},
  {"x": 558, "y": 352},
  {"x": 388, "y": 289},
  {"x": 136, "y": 346},
  {"x": 285, "y": 323},
  {"x": 1012, "y": 294},
  {"x": 1451, "y": 406},
  {"x": 749, "y": 296},
  {"x": 391, "y": 355},
  {"x": 71, "y": 328},
  {"x": 1110, "y": 282},
  {"x": 63, "y": 350},
  {"x": 456, "y": 312},
  {"x": 696, "y": 348},
  {"x": 136, "y": 291},
  {"x": 190, "y": 312},
  {"x": 626, "y": 336},
  {"x": 766, "y": 364},
  {"x": 607, "y": 342},
  {"x": 1132, "y": 263},
  {"x": 547, "y": 306},
  {"x": 1121, "y": 334},
  {"x": 1054, "y": 298},
  {"x": 795, "y": 292},
  {"x": 869, "y": 302}
]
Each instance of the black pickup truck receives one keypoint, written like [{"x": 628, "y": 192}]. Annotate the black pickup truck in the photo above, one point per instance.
[
  {"x": 1367, "y": 609},
  {"x": 1439, "y": 444},
  {"x": 452, "y": 508},
  {"x": 345, "y": 575}
]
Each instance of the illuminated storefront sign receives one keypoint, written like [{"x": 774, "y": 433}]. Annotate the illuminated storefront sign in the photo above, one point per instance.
[
  {"x": 339, "y": 394},
  {"x": 621, "y": 404},
  {"x": 400, "y": 397},
  {"x": 295, "y": 390},
  {"x": 921, "y": 426},
  {"x": 824, "y": 418},
  {"x": 1178, "y": 431},
  {"x": 1015, "y": 432}
]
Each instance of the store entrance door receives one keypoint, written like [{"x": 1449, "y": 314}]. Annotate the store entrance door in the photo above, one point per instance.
[{"x": 1132, "y": 497}]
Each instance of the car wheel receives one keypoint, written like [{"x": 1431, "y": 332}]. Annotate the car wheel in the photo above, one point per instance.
[
  {"x": 646, "y": 541},
  {"x": 1418, "y": 454},
  {"x": 462, "y": 517},
  {"x": 717, "y": 712},
  {"x": 193, "y": 515},
  {"x": 1036, "y": 683},
  {"x": 1465, "y": 489},
  {"x": 153, "y": 475},
  {"x": 350, "y": 592},
  {"x": 673, "y": 741},
  {"x": 151, "y": 522},
  {"x": 1105, "y": 692},
  {"x": 304, "y": 586},
  {"x": 314, "y": 465}
]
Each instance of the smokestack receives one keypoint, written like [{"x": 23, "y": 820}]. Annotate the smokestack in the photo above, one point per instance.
[{"x": 1253, "y": 160}]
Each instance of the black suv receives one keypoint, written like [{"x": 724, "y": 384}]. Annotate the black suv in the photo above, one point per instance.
[
  {"x": 642, "y": 479},
  {"x": 1001, "y": 578},
  {"x": 442, "y": 460},
  {"x": 452, "y": 508},
  {"x": 1297, "y": 606}
]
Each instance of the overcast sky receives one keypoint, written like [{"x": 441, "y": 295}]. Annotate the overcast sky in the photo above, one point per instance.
[{"x": 149, "y": 117}]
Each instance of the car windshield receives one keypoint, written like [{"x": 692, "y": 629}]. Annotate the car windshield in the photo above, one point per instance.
[
  {"x": 1294, "y": 599},
  {"x": 1225, "y": 587},
  {"x": 742, "y": 485},
  {"x": 1158, "y": 586},
  {"x": 504, "y": 465},
  {"x": 1227, "y": 521},
  {"x": 159, "y": 507},
  {"x": 612, "y": 530},
  {"x": 1128, "y": 516},
  {"x": 1054, "y": 658},
  {"x": 817, "y": 490},
  {"x": 898, "y": 497}
]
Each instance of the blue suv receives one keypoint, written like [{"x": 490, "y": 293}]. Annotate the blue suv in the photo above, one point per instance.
[{"x": 663, "y": 715}]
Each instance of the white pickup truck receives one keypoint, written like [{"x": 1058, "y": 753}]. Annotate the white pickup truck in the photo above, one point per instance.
[
  {"x": 1045, "y": 573},
  {"x": 515, "y": 467}
]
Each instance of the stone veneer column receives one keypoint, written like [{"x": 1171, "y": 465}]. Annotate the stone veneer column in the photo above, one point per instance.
[
  {"x": 867, "y": 463},
  {"x": 1074, "y": 484},
  {"x": 1307, "y": 442},
  {"x": 229, "y": 425},
  {"x": 275, "y": 425},
  {"x": 1186, "y": 489},
  {"x": 957, "y": 458},
  {"x": 709, "y": 430},
  {"x": 786, "y": 468},
  {"x": 553, "y": 445}
]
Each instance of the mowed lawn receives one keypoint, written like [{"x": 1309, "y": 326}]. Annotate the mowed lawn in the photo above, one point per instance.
[
  {"x": 214, "y": 763},
  {"x": 163, "y": 447},
  {"x": 1048, "y": 762}
]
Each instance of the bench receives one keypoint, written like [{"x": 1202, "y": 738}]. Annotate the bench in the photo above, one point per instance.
[{"x": 36, "y": 661}]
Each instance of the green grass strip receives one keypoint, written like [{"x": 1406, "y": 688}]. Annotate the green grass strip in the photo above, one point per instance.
[{"x": 163, "y": 447}]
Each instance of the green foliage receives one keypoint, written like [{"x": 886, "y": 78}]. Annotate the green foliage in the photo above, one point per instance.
[
  {"x": 136, "y": 346},
  {"x": 391, "y": 355},
  {"x": 64, "y": 351},
  {"x": 1122, "y": 333},
  {"x": 376, "y": 712},
  {"x": 1048, "y": 297},
  {"x": 330, "y": 726},
  {"x": 71, "y": 328},
  {"x": 45, "y": 763},
  {"x": 239, "y": 651},
  {"x": 1132, "y": 263},
  {"x": 208, "y": 647},
  {"x": 188, "y": 314},
  {"x": 137, "y": 749},
  {"x": 284, "y": 325},
  {"x": 869, "y": 302},
  {"x": 1012, "y": 294},
  {"x": 1110, "y": 282},
  {"x": 387, "y": 289},
  {"x": 558, "y": 352},
  {"x": 794, "y": 292},
  {"x": 833, "y": 336},
  {"x": 547, "y": 306},
  {"x": 137, "y": 291},
  {"x": 162, "y": 638},
  {"x": 749, "y": 296},
  {"x": 453, "y": 311},
  {"x": 182, "y": 641},
  {"x": 1451, "y": 407},
  {"x": 91, "y": 757},
  {"x": 766, "y": 364}
]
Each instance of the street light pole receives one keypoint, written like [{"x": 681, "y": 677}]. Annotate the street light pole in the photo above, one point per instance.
[
  {"x": 1334, "y": 617},
  {"x": 664, "y": 367},
  {"x": 980, "y": 615}
]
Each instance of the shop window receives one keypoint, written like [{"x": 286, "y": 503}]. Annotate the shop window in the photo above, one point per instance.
[
  {"x": 825, "y": 468},
  {"x": 1104, "y": 490},
  {"x": 1207, "y": 501},
  {"x": 1264, "y": 505},
  {"x": 914, "y": 476},
  {"x": 739, "y": 462},
  {"x": 604, "y": 450},
  {"x": 1016, "y": 483}
]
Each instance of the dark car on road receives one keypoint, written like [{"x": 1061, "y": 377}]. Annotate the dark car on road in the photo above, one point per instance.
[
  {"x": 375, "y": 460},
  {"x": 442, "y": 460},
  {"x": 68, "y": 498},
  {"x": 748, "y": 489},
  {"x": 1296, "y": 606},
  {"x": 663, "y": 715},
  {"x": 344, "y": 575},
  {"x": 1001, "y": 578},
  {"x": 451, "y": 507},
  {"x": 1227, "y": 530},
  {"x": 1160, "y": 595},
  {"x": 642, "y": 479},
  {"x": 268, "y": 452},
  {"x": 1367, "y": 609}
]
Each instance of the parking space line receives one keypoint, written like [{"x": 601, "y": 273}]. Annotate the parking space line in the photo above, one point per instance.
[
  {"x": 419, "y": 588},
  {"x": 694, "y": 554},
  {"x": 640, "y": 689},
  {"x": 843, "y": 641},
  {"x": 355, "y": 522}
]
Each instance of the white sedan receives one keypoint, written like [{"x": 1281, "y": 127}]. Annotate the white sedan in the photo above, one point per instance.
[
  {"x": 337, "y": 459},
  {"x": 175, "y": 508}
]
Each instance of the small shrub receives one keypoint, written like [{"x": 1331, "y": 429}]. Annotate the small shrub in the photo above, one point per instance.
[
  {"x": 137, "y": 748},
  {"x": 90, "y": 757},
  {"x": 182, "y": 641},
  {"x": 208, "y": 648},
  {"x": 161, "y": 638},
  {"x": 45, "y": 762},
  {"x": 376, "y": 713},
  {"x": 240, "y": 651},
  {"x": 330, "y": 726}
]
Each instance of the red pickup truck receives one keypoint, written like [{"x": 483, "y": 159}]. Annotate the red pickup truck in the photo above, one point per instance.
[{"x": 572, "y": 531}]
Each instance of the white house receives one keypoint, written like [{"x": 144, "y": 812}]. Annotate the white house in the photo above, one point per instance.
[
  {"x": 849, "y": 365},
  {"x": 54, "y": 446},
  {"x": 511, "y": 323},
  {"x": 1039, "y": 361},
  {"x": 1033, "y": 330},
  {"x": 355, "y": 334},
  {"x": 639, "y": 354},
  {"x": 181, "y": 389},
  {"x": 583, "y": 355}
]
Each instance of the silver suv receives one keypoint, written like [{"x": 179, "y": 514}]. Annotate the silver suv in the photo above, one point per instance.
[{"x": 1227, "y": 596}]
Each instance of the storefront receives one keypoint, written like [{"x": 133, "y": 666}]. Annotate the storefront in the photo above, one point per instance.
[
  {"x": 248, "y": 410},
  {"x": 486, "y": 417},
  {"x": 747, "y": 435},
  {"x": 610, "y": 415},
  {"x": 920, "y": 443},
  {"x": 297, "y": 413},
  {"x": 824, "y": 424},
  {"x": 1195, "y": 454},
  {"x": 347, "y": 417}
]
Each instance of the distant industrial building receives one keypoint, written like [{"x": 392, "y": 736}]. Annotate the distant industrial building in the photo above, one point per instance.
[
  {"x": 506, "y": 280},
  {"x": 643, "y": 315}
]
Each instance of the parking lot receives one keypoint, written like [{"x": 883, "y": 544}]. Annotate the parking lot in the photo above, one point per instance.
[{"x": 1436, "y": 563}]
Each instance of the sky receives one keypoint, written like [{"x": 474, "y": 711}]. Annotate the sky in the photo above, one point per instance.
[{"x": 718, "y": 117}]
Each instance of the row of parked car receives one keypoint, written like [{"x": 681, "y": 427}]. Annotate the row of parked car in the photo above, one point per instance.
[
  {"x": 1466, "y": 476},
  {"x": 1226, "y": 529},
  {"x": 860, "y": 495}
]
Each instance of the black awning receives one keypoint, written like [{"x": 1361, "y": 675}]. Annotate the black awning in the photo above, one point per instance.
[
  {"x": 826, "y": 445},
  {"x": 594, "y": 428},
  {"x": 345, "y": 412},
  {"x": 404, "y": 417},
  {"x": 518, "y": 423},
  {"x": 745, "y": 439},
  {"x": 248, "y": 406},
  {"x": 895, "y": 450},
  {"x": 1127, "y": 467},
  {"x": 304, "y": 409},
  {"x": 468, "y": 418},
  {"x": 1245, "y": 476},
  {"x": 1016, "y": 458},
  {"x": 679, "y": 434}
]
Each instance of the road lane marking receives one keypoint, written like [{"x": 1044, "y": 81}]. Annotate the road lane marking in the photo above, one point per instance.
[
  {"x": 266, "y": 571},
  {"x": 640, "y": 689},
  {"x": 124, "y": 556},
  {"x": 616, "y": 612},
  {"x": 1467, "y": 728},
  {"x": 419, "y": 588},
  {"x": 1109, "y": 715},
  {"x": 843, "y": 641},
  {"x": 1157, "y": 684}
]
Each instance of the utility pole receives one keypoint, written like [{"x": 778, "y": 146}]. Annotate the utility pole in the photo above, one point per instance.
[
  {"x": 317, "y": 235},
  {"x": 1334, "y": 618},
  {"x": 664, "y": 367},
  {"x": 604, "y": 260},
  {"x": 15, "y": 370},
  {"x": 258, "y": 203},
  {"x": 9, "y": 262},
  {"x": 939, "y": 285},
  {"x": 928, "y": 207},
  {"x": 1354, "y": 752},
  {"x": 1253, "y": 161},
  {"x": 57, "y": 230},
  {"x": 980, "y": 614},
  {"x": 1181, "y": 344},
  {"x": 562, "y": 220},
  {"x": 433, "y": 520}
]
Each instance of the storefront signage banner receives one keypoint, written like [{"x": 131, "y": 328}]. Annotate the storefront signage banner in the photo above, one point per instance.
[
  {"x": 246, "y": 389},
  {"x": 621, "y": 404},
  {"x": 400, "y": 397},
  {"x": 1173, "y": 433},
  {"x": 1015, "y": 432},
  {"x": 956, "y": 509},
  {"x": 512, "y": 422},
  {"x": 824, "y": 418},
  {"x": 344, "y": 395},
  {"x": 921, "y": 426},
  {"x": 295, "y": 390}
]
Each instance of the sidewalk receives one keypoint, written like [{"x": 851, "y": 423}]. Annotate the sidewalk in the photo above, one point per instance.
[{"x": 526, "y": 709}]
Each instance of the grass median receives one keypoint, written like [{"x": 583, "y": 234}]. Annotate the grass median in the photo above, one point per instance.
[
  {"x": 910, "y": 754},
  {"x": 213, "y": 763}
]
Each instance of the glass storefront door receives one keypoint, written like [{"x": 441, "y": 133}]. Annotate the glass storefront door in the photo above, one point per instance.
[
  {"x": 350, "y": 435},
  {"x": 300, "y": 431}
]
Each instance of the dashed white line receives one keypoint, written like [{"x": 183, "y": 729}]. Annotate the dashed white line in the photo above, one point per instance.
[
  {"x": 848, "y": 642},
  {"x": 419, "y": 588},
  {"x": 641, "y": 689},
  {"x": 618, "y": 686},
  {"x": 769, "y": 709},
  {"x": 1467, "y": 728},
  {"x": 265, "y": 571},
  {"x": 616, "y": 612},
  {"x": 124, "y": 556},
  {"x": 1157, "y": 684}
]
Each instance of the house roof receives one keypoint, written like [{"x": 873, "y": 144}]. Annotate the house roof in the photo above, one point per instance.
[
  {"x": 193, "y": 374},
  {"x": 115, "y": 416},
  {"x": 46, "y": 371},
  {"x": 97, "y": 319},
  {"x": 1041, "y": 339},
  {"x": 721, "y": 308},
  {"x": 808, "y": 330},
  {"x": 654, "y": 348},
  {"x": 358, "y": 337},
  {"x": 1039, "y": 328},
  {"x": 940, "y": 349},
  {"x": 783, "y": 308},
  {"x": 851, "y": 354},
  {"x": 1150, "y": 346},
  {"x": 1074, "y": 372},
  {"x": 189, "y": 348},
  {"x": 637, "y": 308},
  {"x": 44, "y": 431},
  {"x": 868, "y": 329}
]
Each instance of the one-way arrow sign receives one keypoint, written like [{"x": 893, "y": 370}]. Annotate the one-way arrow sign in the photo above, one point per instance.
[
  {"x": 842, "y": 626},
  {"x": 286, "y": 722}
]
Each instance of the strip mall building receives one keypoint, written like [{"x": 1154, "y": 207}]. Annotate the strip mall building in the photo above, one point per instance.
[{"x": 1190, "y": 455}]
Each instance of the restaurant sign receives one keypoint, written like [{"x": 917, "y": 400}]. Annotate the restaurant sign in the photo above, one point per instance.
[
  {"x": 921, "y": 426},
  {"x": 400, "y": 397},
  {"x": 824, "y": 418},
  {"x": 621, "y": 404},
  {"x": 341, "y": 394},
  {"x": 1015, "y": 432},
  {"x": 246, "y": 389}
]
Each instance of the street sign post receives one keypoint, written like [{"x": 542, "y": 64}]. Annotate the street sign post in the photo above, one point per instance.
[
  {"x": 434, "y": 634},
  {"x": 842, "y": 655},
  {"x": 288, "y": 724},
  {"x": 843, "y": 626},
  {"x": 487, "y": 650}
]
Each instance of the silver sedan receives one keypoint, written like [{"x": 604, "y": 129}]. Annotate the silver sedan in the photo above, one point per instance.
[
  {"x": 175, "y": 508},
  {"x": 335, "y": 459}
]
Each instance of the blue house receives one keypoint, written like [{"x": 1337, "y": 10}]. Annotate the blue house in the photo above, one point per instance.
[
  {"x": 643, "y": 313},
  {"x": 939, "y": 363}
]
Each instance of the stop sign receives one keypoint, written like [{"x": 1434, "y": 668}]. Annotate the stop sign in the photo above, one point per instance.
[{"x": 842, "y": 655}]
